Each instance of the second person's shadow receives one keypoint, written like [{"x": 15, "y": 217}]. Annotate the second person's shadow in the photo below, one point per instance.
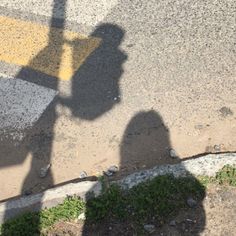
[{"x": 145, "y": 144}]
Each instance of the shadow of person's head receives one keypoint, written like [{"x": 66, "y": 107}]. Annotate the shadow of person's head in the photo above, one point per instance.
[
  {"x": 110, "y": 34},
  {"x": 146, "y": 142},
  {"x": 95, "y": 85}
]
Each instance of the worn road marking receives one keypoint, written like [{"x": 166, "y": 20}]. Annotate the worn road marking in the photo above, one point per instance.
[{"x": 52, "y": 51}]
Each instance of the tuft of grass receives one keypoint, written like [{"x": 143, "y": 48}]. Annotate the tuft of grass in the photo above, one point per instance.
[
  {"x": 226, "y": 176},
  {"x": 158, "y": 198},
  {"x": 32, "y": 223}
]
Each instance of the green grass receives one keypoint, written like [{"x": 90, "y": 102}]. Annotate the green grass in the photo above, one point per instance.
[
  {"x": 159, "y": 199},
  {"x": 33, "y": 223},
  {"x": 226, "y": 176}
]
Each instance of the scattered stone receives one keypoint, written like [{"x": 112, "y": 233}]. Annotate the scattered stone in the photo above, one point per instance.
[
  {"x": 42, "y": 187},
  {"x": 44, "y": 171},
  {"x": 83, "y": 175},
  {"x": 209, "y": 149},
  {"x": 81, "y": 216},
  {"x": 191, "y": 221},
  {"x": 225, "y": 111},
  {"x": 27, "y": 192},
  {"x": 149, "y": 228},
  {"x": 199, "y": 126},
  {"x": 173, "y": 153},
  {"x": 191, "y": 202},
  {"x": 108, "y": 173},
  {"x": 172, "y": 223},
  {"x": 217, "y": 148},
  {"x": 113, "y": 169},
  {"x": 130, "y": 45}
]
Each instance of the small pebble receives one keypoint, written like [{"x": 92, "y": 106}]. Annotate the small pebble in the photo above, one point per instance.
[
  {"x": 191, "y": 202},
  {"x": 149, "y": 228},
  {"x": 217, "y": 148},
  {"x": 190, "y": 221},
  {"x": 81, "y": 216},
  {"x": 130, "y": 45},
  {"x": 44, "y": 171},
  {"x": 199, "y": 126},
  {"x": 173, "y": 223},
  {"x": 173, "y": 153},
  {"x": 225, "y": 111},
  {"x": 113, "y": 169},
  {"x": 108, "y": 173},
  {"x": 43, "y": 187},
  {"x": 83, "y": 175},
  {"x": 27, "y": 192}
]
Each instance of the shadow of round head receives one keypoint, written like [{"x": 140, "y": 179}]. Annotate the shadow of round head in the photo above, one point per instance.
[
  {"x": 109, "y": 33},
  {"x": 95, "y": 86},
  {"x": 145, "y": 142}
]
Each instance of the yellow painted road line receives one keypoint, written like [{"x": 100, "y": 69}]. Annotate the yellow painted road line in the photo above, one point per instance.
[{"x": 52, "y": 51}]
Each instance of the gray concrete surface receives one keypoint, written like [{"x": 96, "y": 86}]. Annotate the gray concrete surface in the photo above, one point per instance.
[
  {"x": 176, "y": 58},
  {"x": 207, "y": 165},
  {"x": 22, "y": 104},
  {"x": 47, "y": 199}
]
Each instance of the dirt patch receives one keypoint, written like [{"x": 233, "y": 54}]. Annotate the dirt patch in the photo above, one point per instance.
[
  {"x": 140, "y": 143},
  {"x": 220, "y": 218}
]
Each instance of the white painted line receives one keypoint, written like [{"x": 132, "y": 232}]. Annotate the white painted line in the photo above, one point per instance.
[{"x": 83, "y": 12}]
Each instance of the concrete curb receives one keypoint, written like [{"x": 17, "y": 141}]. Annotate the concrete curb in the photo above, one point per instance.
[
  {"x": 205, "y": 165},
  {"x": 48, "y": 198}
]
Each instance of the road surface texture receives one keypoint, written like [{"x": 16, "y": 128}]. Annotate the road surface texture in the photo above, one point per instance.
[{"x": 134, "y": 79}]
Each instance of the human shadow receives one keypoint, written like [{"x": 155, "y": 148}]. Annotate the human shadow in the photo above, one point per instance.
[
  {"x": 49, "y": 58},
  {"x": 146, "y": 143},
  {"x": 95, "y": 90},
  {"x": 95, "y": 85},
  {"x": 39, "y": 139}
]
